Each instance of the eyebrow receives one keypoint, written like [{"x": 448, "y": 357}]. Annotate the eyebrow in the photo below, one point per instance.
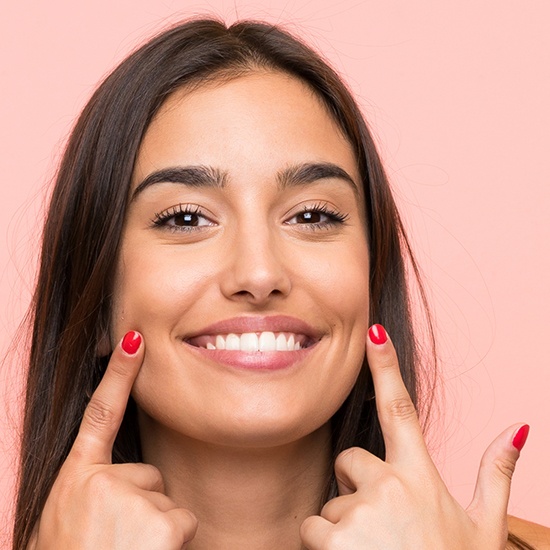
[
  {"x": 300, "y": 174},
  {"x": 206, "y": 176},
  {"x": 193, "y": 176}
]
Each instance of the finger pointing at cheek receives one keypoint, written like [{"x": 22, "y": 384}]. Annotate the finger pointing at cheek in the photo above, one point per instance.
[
  {"x": 106, "y": 408},
  {"x": 396, "y": 411}
]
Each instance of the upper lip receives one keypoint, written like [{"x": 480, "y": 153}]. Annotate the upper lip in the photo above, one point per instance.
[{"x": 270, "y": 323}]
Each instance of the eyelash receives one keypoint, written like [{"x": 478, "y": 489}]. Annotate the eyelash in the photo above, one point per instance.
[{"x": 162, "y": 219}]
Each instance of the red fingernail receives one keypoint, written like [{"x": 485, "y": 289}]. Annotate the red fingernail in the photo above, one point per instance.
[
  {"x": 521, "y": 437},
  {"x": 131, "y": 342},
  {"x": 378, "y": 335}
]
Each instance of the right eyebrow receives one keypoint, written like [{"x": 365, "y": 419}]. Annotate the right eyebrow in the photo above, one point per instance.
[
  {"x": 193, "y": 176},
  {"x": 310, "y": 172}
]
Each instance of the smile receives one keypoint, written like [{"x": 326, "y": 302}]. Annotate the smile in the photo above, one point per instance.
[
  {"x": 255, "y": 343},
  {"x": 252, "y": 341}
]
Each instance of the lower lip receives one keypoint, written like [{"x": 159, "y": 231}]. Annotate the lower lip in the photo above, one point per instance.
[{"x": 256, "y": 360}]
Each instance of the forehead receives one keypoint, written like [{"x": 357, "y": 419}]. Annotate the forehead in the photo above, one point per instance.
[{"x": 258, "y": 122}]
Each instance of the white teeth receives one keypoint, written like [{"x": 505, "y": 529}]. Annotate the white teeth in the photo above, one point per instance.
[
  {"x": 220, "y": 342},
  {"x": 290, "y": 343},
  {"x": 281, "y": 343},
  {"x": 251, "y": 341},
  {"x": 267, "y": 341},
  {"x": 233, "y": 342}
]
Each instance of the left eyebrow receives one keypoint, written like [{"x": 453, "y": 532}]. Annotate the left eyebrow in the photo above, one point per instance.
[
  {"x": 193, "y": 176},
  {"x": 300, "y": 174}
]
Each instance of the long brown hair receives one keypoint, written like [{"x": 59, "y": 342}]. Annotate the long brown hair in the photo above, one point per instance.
[{"x": 72, "y": 302}]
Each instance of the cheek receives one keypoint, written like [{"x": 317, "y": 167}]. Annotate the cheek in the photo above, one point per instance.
[
  {"x": 338, "y": 280},
  {"x": 153, "y": 290},
  {"x": 337, "y": 285}
]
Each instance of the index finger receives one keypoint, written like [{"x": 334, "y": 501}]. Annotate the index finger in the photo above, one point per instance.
[
  {"x": 397, "y": 414},
  {"x": 105, "y": 411}
]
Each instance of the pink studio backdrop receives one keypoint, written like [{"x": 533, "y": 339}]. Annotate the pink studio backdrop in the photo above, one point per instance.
[{"x": 457, "y": 94}]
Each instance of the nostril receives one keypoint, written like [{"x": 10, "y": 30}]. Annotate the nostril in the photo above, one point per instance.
[{"x": 258, "y": 296}]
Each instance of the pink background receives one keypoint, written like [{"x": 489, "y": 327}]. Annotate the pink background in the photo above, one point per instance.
[{"x": 457, "y": 94}]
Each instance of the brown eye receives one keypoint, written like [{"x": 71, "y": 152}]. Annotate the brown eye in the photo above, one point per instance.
[
  {"x": 187, "y": 219},
  {"x": 317, "y": 216},
  {"x": 182, "y": 218},
  {"x": 310, "y": 217}
]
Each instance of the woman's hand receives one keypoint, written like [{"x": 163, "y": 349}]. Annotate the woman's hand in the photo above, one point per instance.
[
  {"x": 95, "y": 504},
  {"x": 403, "y": 502}
]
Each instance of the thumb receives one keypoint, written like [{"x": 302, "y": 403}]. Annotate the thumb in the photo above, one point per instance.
[{"x": 490, "y": 503}]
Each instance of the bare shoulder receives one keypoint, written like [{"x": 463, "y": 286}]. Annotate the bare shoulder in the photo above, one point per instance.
[{"x": 536, "y": 535}]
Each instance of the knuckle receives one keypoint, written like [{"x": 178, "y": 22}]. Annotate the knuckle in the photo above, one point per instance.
[
  {"x": 360, "y": 512},
  {"x": 401, "y": 408},
  {"x": 99, "y": 415},
  {"x": 505, "y": 467},
  {"x": 189, "y": 520},
  {"x": 392, "y": 488},
  {"x": 152, "y": 472},
  {"x": 326, "y": 510},
  {"x": 335, "y": 540},
  {"x": 118, "y": 369},
  {"x": 309, "y": 532},
  {"x": 306, "y": 527},
  {"x": 348, "y": 463},
  {"x": 102, "y": 484},
  {"x": 347, "y": 457},
  {"x": 168, "y": 533},
  {"x": 165, "y": 530},
  {"x": 331, "y": 510},
  {"x": 387, "y": 362}
]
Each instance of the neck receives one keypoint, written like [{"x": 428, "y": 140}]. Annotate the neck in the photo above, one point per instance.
[{"x": 242, "y": 497}]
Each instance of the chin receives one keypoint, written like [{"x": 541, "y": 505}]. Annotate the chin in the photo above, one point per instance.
[{"x": 251, "y": 426}]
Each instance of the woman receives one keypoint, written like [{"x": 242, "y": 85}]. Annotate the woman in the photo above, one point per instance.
[{"x": 205, "y": 371}]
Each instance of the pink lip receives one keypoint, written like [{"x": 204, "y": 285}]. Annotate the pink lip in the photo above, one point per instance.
[{"x": 257, "y": 361}]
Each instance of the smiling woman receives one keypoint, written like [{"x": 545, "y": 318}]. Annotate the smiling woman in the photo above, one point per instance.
[
  {"x": 202, "y": 372},
  {"x": 228, "y": 262}
]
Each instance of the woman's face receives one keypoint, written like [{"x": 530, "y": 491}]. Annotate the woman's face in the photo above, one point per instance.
[{"x": 245, "y": 231}]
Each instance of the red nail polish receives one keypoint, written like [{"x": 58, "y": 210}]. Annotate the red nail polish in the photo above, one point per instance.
[
  {"x": 521, "y": 437},
  {"x": 378, "y": 335},
  {"x": 131, "y": 342}
]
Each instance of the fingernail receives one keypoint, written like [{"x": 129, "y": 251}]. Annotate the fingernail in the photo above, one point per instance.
[
  {"x": 378, "y": 335},
  {"x": 521, "y": 437},
  {"x": 131, "y": 342}
]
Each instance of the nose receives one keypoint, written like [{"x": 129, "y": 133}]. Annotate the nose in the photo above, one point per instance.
[{"x": 257, "y": 271}]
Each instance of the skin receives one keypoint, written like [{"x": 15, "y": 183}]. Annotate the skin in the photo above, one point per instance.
[
  {"x": 251, "y": 258},
  {"x": 237, "y": 457}
]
